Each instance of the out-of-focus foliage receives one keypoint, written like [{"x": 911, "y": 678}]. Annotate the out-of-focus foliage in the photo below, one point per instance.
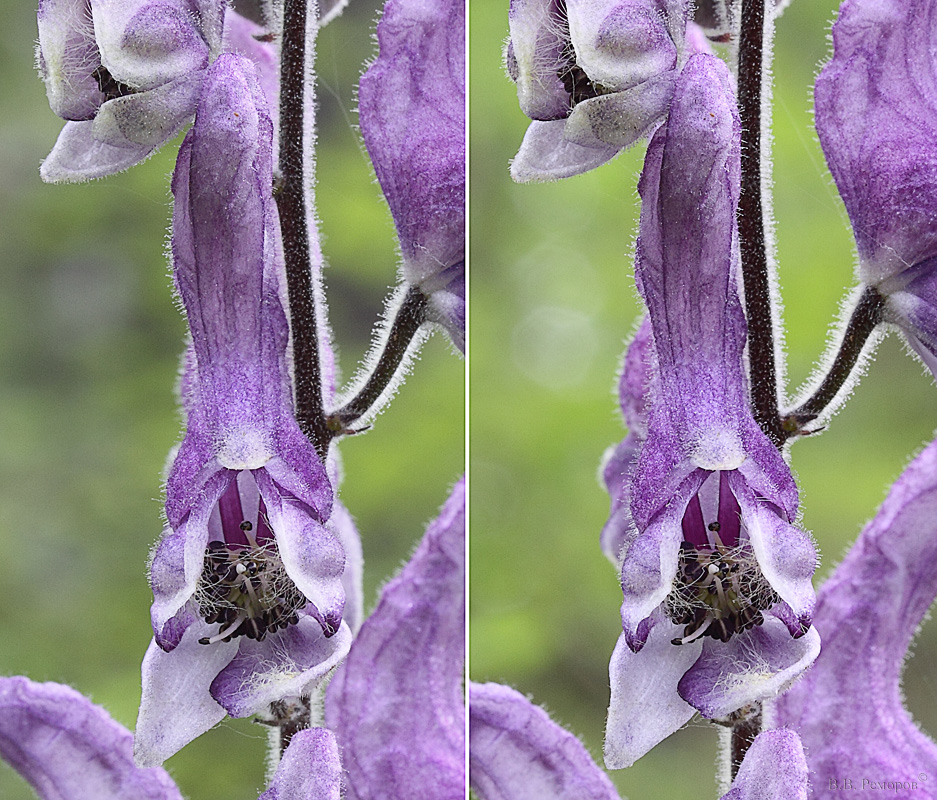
[
  {"x": 89, "y": 347},
  {"x": 552, "y": 300}
]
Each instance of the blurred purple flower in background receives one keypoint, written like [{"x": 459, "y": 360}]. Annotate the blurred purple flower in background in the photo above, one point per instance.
[
  {"x": 595, "y": 76},
  {"x": 126, "y": 74},
  {"x": 417, "y": 146},
  {"x": 517, "y": 752},
  {"x": 876, "y": 115},
  {"x": 848, "y": 707}
]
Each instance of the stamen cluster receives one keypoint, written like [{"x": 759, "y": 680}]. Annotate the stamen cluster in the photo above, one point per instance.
[
  {"x": 246, "y": 590},
  {"x": 718, "y": 592}
]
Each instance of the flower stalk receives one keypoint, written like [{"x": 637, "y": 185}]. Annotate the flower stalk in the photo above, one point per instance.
[
  {"x": 291, "y": 203},
  {"x": 755, "y": 276}
]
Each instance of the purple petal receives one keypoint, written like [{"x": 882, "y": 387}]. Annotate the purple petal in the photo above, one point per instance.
[
  {"x": 622, "y": 43},
  {"x": 288, "y": 663},
  {"x": 77, "y": 156},
  {"x": 312, "y": 555},
  {"x": 632, "y": 394},
  {"x": 417, "y": 142},
  {"x": 622, "y": 118},
  {"x": 645, "y": 708},
  {"x": 876, "y": 114},
  {"x": 649, "y": 560},
  {"x": 447, "y": 302},
  {"x": 310, "y": 769},
  {"x": 240, "y": 36},
  {"x": 146, "y": 43},
  {"x": 176, "y": 707},
  {"x": 68, "y": 55},
  {"x": 685, "y": 267},
  {"x": 758, "y": 664},
  {"x": 536, "y": 55},
  {"x": 785, "y": 554},
  {"x": 546, "y": 155},
  {"x": 70, "y": 749},
  {"x": 397, "y": 704},
  {"x": 848, "y": 708},
  {"x": 148, "y": 119},
  {"x": 774, "y": 768},
  {"x": 342, "y": 527},
  {"x": 516, "y": 752}
]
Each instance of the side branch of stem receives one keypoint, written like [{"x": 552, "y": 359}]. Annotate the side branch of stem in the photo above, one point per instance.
[
  {"x": 864, "y": 319},
  {"x": 409, "y": 317},
  {"x": 755, "y": 278}
]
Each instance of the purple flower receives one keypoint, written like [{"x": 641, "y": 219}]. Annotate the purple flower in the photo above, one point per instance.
[
  {"x": 594, "y": 75},
  {"x": 716, "y": 578},
  {"x": 70, "y": 749},
  {"x": 126, "y": 74},
  {"x": 516, "y": 752},
  {"x": 397, "y": 705},
  {"x": 876, "y": 114},
  {"x": 247, "y": 578},
  {"x": 417, "y": 145},
  {"x": 848, "y": 706}
]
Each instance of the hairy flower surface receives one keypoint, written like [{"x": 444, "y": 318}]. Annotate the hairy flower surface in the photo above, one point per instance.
[
  {"x": 876, "y": 115},
  {"x": 126, "y": 74},
  {"x": 516, "y": 752},
  {"x": 396, "y": 705},
  {"x": 411, "y": 103},
  {"x": 848, "y": 707},
  {"x": 716, "y": 578},
  {"x": 70, "y": 749},
  {"x": 594, "y": 75},
  {"x": 247, "y": 578}
]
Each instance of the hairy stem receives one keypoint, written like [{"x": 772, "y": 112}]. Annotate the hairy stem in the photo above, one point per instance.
[
  {"x": 755, "y": 278},
  {"x": 864, "y": 319},
  {"x": 410, "y": 316},
  {"x": 742, "y": 734},
  {"x": 291, "y": 203}
]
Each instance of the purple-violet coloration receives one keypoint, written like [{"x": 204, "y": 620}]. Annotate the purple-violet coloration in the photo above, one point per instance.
[
  {"x": 876, "y": 115},
  {"x": 716, "y": 578},
  {"x": 247, "y": 577},
  {"x": 126, "y": 74},
  {"x": 411, "y": 103},
  {"x": 516, "y": 752}
]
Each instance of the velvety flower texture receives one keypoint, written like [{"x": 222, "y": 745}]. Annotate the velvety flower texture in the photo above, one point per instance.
[
  {"x": 848, "y": 706},
  {"x": 517, "y": 752},
  {"x": 876, "y": 115},
  {"x": 594, "y": 75},
  {"x": 70, "y": 749},
  {"x": 716, "y": 579},
  {"x": 417, "y": 145},
  {"x": 247, "y": 578},
  {"x": 396, "y": 705},
  {"x": 127, "y": 75}
]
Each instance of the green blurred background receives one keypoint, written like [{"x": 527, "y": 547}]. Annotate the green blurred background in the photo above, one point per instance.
[
  {"x": 89, "y": 347},
  {"x": 552, "y": 300}
]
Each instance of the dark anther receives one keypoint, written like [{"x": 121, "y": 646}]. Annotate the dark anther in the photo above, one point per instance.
[
  {"x": 246, "y": 526},
  {"x": 110, "y": 88},
  {"x": 715, "y": 527}
]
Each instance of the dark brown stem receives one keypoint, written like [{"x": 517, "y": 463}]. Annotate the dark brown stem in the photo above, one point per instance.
[
  {"x": 755, "y": 278},
  {"x": 864, "y": 319},
  {"x": 407, "y": 321},
  {"x": 291, "y": 202},
  {"x": 742, "y": 734}
]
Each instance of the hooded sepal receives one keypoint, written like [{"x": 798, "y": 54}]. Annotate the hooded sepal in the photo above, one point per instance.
[
  {"x": 516, "y": 752},
  {"x": 397, "y": 704},
  {"x": 70, "y": 749}
]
